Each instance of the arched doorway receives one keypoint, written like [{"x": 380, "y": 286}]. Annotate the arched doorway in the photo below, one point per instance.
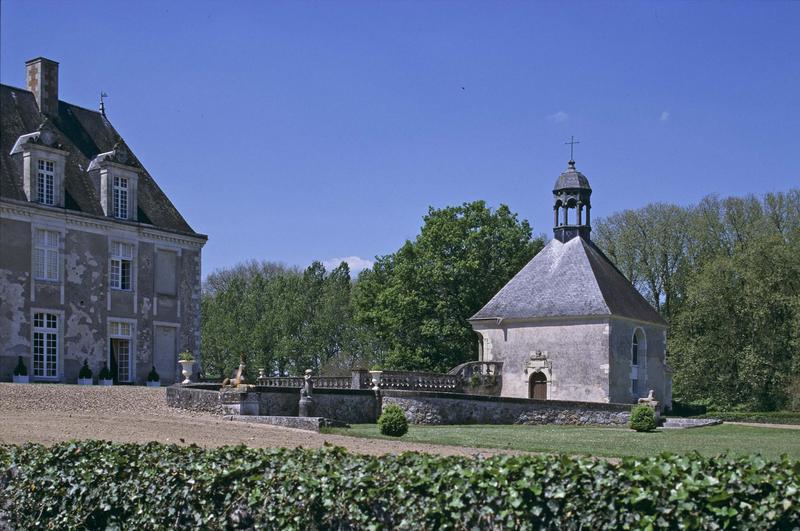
[{"x": 538, "y": 386}]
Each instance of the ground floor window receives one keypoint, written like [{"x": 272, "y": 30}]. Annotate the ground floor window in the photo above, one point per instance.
[
  {"x": 120, "y": 351},
  {"x": 45, "y": 345}
]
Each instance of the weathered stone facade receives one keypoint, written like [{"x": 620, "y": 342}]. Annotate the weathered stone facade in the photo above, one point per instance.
[
  {"x": 95, "y": 262},
  {"x": 584, "y": 359}
]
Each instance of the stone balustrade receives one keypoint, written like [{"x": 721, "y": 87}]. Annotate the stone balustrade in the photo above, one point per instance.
[{"x": 421, "y": 381}]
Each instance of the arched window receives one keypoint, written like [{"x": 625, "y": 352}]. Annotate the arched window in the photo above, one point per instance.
[{"x": 638, "y": 353}]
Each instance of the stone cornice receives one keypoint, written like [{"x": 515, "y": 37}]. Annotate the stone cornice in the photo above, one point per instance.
[
  {"x": 494, "y": 323},
  {"x": 26, "y": 211}
]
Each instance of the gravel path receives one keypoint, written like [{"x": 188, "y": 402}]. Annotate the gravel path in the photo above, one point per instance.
[{"x": 51, "y": 413}]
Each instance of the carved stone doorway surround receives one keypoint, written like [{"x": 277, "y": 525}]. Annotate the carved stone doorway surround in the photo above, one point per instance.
[{"x": 539, "y": 368}]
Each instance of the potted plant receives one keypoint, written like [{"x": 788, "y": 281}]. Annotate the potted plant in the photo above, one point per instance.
[
  {"x": 20, "y": 372},
  {"x": 153, "y": 379},
  {"x": 186, "y": 360},
  {"x": 85, "y": 374},
  {"x": 105, "y": 377}
]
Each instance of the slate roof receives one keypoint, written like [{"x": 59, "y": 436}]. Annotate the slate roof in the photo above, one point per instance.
[
  {"x": 569, "y": 280},
  {"x": 571, "y": 179},
  {"x": 84, "y": 134}
]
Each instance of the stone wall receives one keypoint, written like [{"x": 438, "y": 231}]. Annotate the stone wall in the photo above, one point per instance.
[
  {"x": 575, "y": 352},
  {"x": 194, "y": 399},
  {"x": 355, "y": 406},
  {"x": 347, "y": 405},
  {"x": 446, "y": 408},
  {"x": 652, "y": 366}
]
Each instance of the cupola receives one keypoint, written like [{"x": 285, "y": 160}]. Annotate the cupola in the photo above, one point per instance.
[{"x": 571, "y": 193}]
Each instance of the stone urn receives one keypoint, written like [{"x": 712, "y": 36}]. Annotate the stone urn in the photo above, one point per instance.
[{"x": 187, "y": 366}]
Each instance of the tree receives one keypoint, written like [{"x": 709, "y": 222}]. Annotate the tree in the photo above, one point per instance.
[
  {"x": 285, "y": 321},
  {"x": 649, "y": 246},
  {"x": 737, "y": 340},
  {"x": 416, "y": 302}
]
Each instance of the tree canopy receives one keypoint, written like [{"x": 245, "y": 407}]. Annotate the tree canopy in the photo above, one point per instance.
[
  {"x": 725, "y": 274},
  {"x": 417, "y": 300}
]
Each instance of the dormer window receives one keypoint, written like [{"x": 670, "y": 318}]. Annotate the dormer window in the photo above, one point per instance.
[
  {"x": 45, "y": 182},
  {"x": 43, "y": 163},
  {"x": 116, "y": 182},
  {"x": 121, "y": 197}
]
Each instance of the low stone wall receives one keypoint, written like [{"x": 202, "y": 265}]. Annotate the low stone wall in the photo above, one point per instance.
[
  {"x": 194, "y": 399},
  {"x": 360, "y": 406},
  {"x": 354, "y": 406},
  {"x": 298, "y": 423},
  {"x": 449, "y": 408}
]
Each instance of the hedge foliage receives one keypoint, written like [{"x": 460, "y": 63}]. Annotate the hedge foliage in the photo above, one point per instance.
[
  {"x": 393, "y": 421},
  {"x": 643, "y": 418},
  {"x": 96, "y": 484}
]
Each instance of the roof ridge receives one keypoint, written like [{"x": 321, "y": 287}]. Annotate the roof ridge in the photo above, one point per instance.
[
  {"x": 585, "y": 246},
  {"x": 15, "y": 88}
]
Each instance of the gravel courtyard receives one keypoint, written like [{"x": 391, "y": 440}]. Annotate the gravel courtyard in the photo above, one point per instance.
[{"x": 51, "y": 413}]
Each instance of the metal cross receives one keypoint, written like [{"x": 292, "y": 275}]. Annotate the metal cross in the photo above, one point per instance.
[{"x": 571, "y": 143}]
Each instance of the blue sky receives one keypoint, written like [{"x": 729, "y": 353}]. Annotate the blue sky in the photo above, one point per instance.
[{"x": 295, "y": 131}]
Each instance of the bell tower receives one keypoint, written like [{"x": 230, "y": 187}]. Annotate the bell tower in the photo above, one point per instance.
[{"x": 572, "y": 205}]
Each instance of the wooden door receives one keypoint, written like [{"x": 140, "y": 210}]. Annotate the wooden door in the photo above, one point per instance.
[{"x": 538, "y": 386}]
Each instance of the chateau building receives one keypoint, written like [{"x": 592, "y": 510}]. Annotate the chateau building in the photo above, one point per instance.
[
  {"x": 96, "y": 263},
  {"x": 569, "y": 325}
]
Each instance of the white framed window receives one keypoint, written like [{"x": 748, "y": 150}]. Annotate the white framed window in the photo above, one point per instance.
[
  {"x": 120, "y": 194},
  {"x": 45, "y": 255},
  {"x": 45, "y": 182},
  {"x": 120, "y": 334},
  {"x": 45, "y": 345},
  {"x": 121, "y": 266}
]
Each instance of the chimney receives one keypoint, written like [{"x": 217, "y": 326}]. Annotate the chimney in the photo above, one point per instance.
[{"x": 43, "y": 82}]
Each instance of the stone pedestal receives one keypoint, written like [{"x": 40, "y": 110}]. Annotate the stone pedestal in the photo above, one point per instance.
[{"x": 306, "y": 406}]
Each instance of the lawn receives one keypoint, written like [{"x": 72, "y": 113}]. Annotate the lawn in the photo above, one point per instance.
[{"x": 609, "y": 442}]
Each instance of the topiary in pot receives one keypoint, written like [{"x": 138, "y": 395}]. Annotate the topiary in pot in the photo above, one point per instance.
[
  {"x": 643, "y": 418},
  {"x": 85, "y": 374},
  {"x": 153, "y": 379},
  {"x": 105, "y": 377},
  {"x": 20, "y": 372},
  {"x": 393, "y": 421}
]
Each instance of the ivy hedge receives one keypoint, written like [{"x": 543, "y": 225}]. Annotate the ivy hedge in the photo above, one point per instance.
[{"x": 95, "y": 484}]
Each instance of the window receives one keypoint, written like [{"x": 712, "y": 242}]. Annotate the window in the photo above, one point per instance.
[
  {"x": 45, "y": 345},
  {"x": 638, "y": 347},
  {"x": 121, "y": 265},
  {"x": 45, "y": 255},
  {"x": 120, "y": 197},
  {"x": 120, "y": 334},
  {"x": 45, "y": 182}
]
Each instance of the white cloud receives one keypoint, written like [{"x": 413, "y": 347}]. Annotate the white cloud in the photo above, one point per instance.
[
  {"x": 558, "y": 118},
  {"x": 356, "y": 263},
  {"x": 664, "y": 116}
]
